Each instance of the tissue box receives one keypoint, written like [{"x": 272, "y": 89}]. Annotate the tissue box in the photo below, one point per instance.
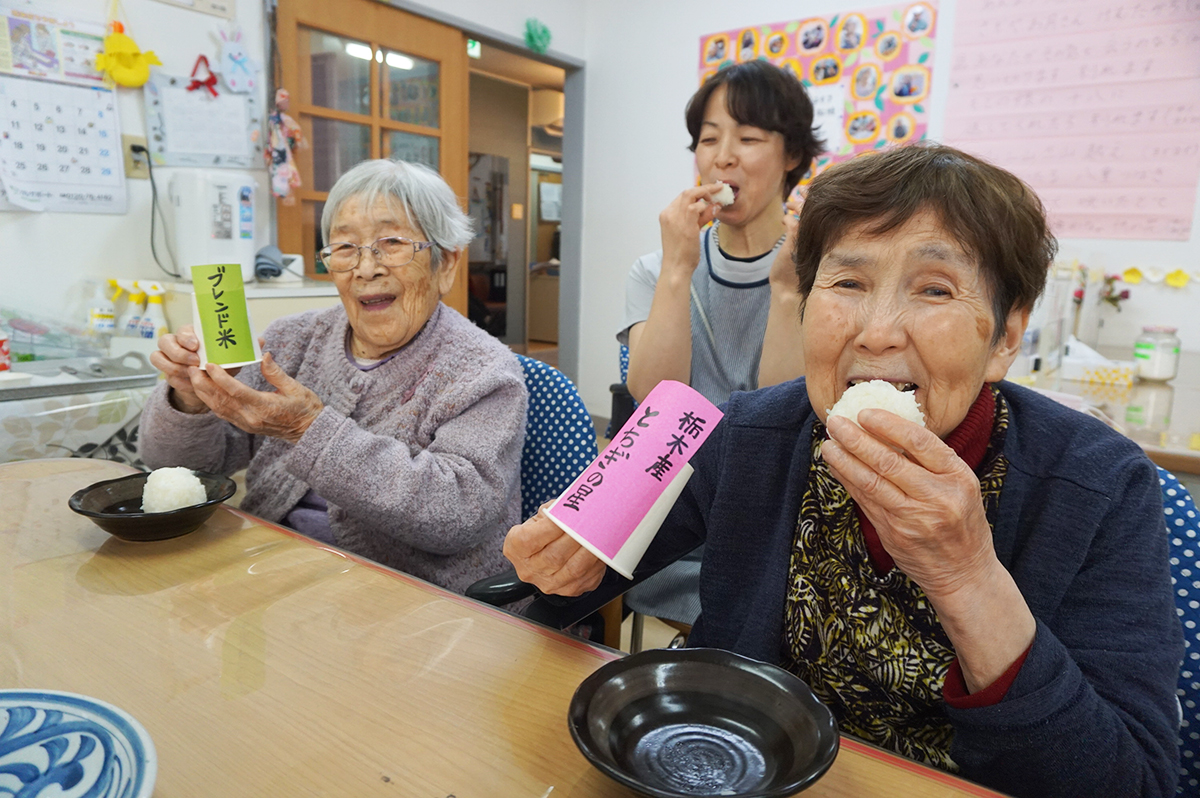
[{"x": 1112, "y": 372}]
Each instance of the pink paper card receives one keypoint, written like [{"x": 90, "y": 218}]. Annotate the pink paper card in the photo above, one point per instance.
[{"x": 617, "y": 504}]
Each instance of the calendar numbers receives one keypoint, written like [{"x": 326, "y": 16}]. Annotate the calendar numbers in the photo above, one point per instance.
[{"x": 55, "y": 151}]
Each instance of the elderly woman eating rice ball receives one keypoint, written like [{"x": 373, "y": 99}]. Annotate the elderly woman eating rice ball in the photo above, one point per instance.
[
  {"x": 988, "y": 593},
  {"x": 389, "y": 425}
]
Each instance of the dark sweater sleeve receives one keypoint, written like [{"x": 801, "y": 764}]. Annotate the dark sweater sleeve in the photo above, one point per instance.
[{"x": 1093, "y": 711}]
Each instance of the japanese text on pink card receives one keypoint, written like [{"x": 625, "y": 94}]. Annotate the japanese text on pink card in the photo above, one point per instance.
[{"x": 613, "y": 495}]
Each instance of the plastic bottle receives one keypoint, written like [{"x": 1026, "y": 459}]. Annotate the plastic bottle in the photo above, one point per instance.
[
  {"x": 129, "y": 325},
  {"x": 101, "y": 322},
  {"x": 1156, "y": 352},
  {"x": 118, "y": 288},
  {"x": 154, "y": 321}
]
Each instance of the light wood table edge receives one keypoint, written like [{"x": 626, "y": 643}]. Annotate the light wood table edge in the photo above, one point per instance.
[{"x": 912, "y": 766}]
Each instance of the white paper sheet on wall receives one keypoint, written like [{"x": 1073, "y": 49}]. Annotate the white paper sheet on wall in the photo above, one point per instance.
[
  {"x": 550, "y": 195},
  {"x": 193, "y": 128},
  {"x": 60, "y": 148}
]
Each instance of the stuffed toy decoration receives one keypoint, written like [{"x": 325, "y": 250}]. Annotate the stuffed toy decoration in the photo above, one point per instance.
[
  {"x": 238, "y": 70},
  {"x": 122, "y": 60},
  {"x": 284, "y": 136}
]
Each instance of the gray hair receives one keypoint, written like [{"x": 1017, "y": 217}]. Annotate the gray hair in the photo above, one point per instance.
[{"x": 414, "y": 190}]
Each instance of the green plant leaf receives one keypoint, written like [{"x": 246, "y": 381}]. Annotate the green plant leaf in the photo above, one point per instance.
[
  {"x": 920, "y": 109},
  {"x": 879, "y": 102},
  {"x": 923, "y": 58},
  {"x": 792, "y": 27},
  {"x": 879, "y": 26},
  {"x": 846, "y": 149},
  {"x": 896, "y": 15},
  {"x": 880, "y": 144},
  {"x": 851, "y": 60},
  {"x": 926, "y": 41},
  {"x": 833, "y": 22}
]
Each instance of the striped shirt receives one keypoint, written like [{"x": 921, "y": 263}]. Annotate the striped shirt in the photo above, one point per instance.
[{"x": 730, "y": 301}]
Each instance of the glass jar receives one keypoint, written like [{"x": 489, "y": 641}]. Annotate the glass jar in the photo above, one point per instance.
[{"x": 1156, "y": 352}]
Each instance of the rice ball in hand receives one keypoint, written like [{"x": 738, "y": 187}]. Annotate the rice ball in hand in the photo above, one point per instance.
[
  {"x": 878, "y": 394},
  {"x": 170, "y": 489},
  {"x": 724, "y": 196}
]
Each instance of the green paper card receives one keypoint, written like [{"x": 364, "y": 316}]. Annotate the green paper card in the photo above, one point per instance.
[{"x": 222, "y": 320}]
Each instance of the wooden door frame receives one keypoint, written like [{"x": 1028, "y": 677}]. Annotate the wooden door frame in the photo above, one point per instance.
[{"x": 393, "y": 29}]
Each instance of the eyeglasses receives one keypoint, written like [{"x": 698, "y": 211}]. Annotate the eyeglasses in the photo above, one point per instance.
[{"x": 389, "y": 251}]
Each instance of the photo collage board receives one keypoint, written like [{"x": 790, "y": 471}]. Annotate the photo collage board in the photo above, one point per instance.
[{"x": 868, "y": 73}]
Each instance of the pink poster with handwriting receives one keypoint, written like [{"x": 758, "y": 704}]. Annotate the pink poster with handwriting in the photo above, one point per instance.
[
  {"x": 618, "y": 502},
  {"x": 1094, "y": 103},
  {"x": 868, "y": 73}
]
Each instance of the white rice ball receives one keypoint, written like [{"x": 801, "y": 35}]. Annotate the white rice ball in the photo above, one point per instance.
[
  {"x": 170, "y": 489},
  {"x": 724, "y": 196},
  {"x": 879, "y": 394}
]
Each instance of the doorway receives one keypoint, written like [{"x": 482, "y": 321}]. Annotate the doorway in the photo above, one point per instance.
[{"x": 516, "y": 129}]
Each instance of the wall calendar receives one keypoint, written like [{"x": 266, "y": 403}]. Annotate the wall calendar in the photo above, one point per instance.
[{"x": 60, "y": 148}]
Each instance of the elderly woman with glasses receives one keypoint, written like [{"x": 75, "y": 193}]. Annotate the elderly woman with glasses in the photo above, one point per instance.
[{"x": 390, "y": 425}]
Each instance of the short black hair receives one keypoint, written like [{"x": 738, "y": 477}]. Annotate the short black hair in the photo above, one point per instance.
[{"x": 762, "y": 95}]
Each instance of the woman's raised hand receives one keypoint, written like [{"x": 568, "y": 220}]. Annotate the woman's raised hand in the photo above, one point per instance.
[
  {"x": 177, "y": 354},
  {"x": 783, "y": 268},
  {"x": 550, "y": 559},
  {"x": 286, "y": 413},
  {"x": 923, "y": 500},
  {"x": 681, "y": 222}
]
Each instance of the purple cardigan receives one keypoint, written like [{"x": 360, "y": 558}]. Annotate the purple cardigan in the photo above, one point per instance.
[{"x": 419, "y": 459}]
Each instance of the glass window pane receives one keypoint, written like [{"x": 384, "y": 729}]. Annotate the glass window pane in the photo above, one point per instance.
[
  {"x": 341, "y": 72},
  {"x": 336, "y": 146},
  {"x": 401, "y": 146},
  {"x": 410, "y": 89},
  {"x": 311, "y": 232}
]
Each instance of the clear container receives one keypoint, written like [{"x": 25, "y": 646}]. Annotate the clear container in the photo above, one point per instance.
[{"x": 1156, "y": 353}]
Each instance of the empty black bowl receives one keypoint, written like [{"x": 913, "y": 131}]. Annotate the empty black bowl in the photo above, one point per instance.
[
  {"x": 116, "y": 507},
  {"x": 672, "y": 723}
]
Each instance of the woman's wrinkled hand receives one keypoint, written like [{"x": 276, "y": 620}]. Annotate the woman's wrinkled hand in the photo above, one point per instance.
[
  {"x": 550, "y": 559},
  {"x": 285, "y": 413},
  {"x": 923, "y": 500},
  {"x": 681, "y": 222},
  {"x": 783, "y": 268},
  {"x": 177, "y": 354}
]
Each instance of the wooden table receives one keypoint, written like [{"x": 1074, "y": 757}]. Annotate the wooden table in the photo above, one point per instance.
[
  {"x": 264, "y": 664},
  {"x": 1164, "y": 417}
]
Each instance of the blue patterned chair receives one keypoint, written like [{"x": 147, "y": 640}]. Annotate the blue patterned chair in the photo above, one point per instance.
[
  {"x": 560, "y": 440},
  {"x": 1183, "y": 532}
]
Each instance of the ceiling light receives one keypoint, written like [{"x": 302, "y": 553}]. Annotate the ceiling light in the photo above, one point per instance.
[
  {"x": 397, "y": 61},
  {"x": 356, "y": 50}
]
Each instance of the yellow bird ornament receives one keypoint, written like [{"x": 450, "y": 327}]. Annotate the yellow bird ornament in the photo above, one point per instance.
[{"x": 123, "y": 60}]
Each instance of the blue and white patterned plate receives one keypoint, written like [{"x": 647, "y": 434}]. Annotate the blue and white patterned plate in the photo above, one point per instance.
[{"x": 72, "y": 746}]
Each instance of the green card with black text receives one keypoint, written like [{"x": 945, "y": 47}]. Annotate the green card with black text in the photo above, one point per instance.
[{"x": 222, "y": 319}]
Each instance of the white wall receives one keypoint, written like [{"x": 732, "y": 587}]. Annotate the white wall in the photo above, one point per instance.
[
  {"x": 641, "y": 68},
  {"x": 45, "y": 256}
]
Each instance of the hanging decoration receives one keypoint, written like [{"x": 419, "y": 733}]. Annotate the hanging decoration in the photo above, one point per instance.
[
  {"x": 122, "y": 60},
  {"x": 537, "y": 35},
  {"x": 209, "y": 83},
  {"x": 1178, "y": 279},
  {"x": 284, "y": 137},
  {"x": 237, "y": 69}
]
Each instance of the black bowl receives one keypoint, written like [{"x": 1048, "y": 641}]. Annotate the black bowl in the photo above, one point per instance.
[
  {"x": 115, "y": 505},
  {"x": 672, "y": 723}
]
